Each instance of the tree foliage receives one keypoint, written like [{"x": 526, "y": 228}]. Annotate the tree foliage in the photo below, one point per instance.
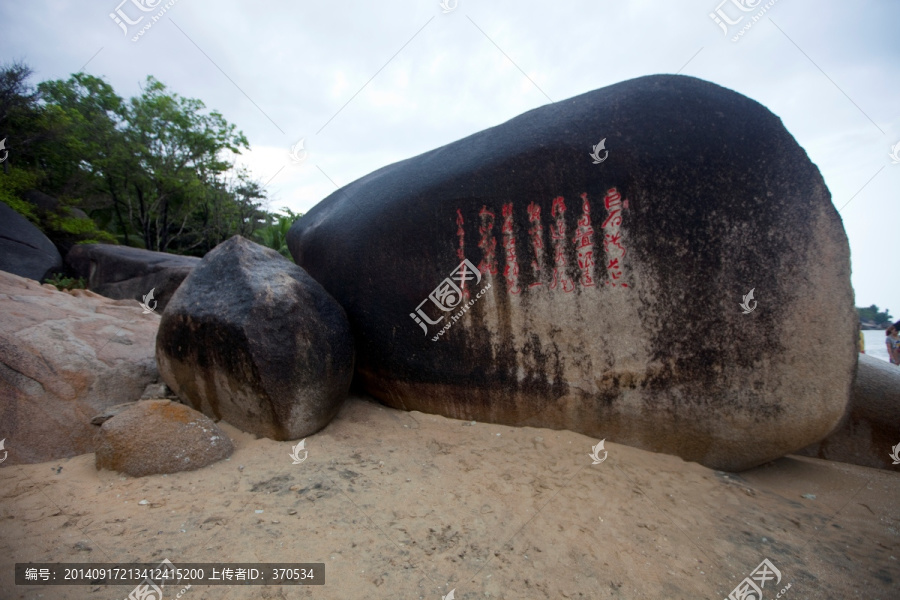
[
  {"x": 872, "y": 313},
  {"x": 154, "y": 171},
  {"x": 274, "y": 234}
]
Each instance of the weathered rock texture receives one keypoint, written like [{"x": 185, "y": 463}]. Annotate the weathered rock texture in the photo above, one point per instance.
[
  {"x": 160, "y": 436},
  {"x": 871, "y": 427},
  {"x": 124, "y": 272},
  {"x": 615, "y": 281},
  {"x": 64, "y": 358},
  {"x": 251, "y": 338},
  {"x": 24, "y": 249}
]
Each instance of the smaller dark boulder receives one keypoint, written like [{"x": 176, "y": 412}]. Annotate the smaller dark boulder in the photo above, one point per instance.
[
  {"x": 123, "y": 272},
  {"x": 24, "y": 250},
  {"x": 48, "y": 203},
  {"x": 43, "y": 201},
  {"x": 251, "y": 338},
  {"x": 871, "y": 426},
  {"x": 160, "y": 436}
]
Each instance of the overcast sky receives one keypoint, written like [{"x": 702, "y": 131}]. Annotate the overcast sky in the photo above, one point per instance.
[{"x": 365, "y": 83}]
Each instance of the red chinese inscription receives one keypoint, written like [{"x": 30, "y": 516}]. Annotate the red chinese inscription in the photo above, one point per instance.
[
  {"x": 583, "y": 240},
  {"x": 584, "y": 243},
  {"x": 511, "y": 271},
  {"x": 461, "y": 251},
  {"x": 487, "y": 243},
  {"x": 558, "y": 233},
  {"x": 537, "y": 242},
  {"x": 612, "y": 237}
]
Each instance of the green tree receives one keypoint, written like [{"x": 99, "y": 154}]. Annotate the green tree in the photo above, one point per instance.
[
  {"x": 179, "y": 153},
  {"x": 155, "y": 170},
  {"x": 230, "y": 206},
  {"x": 93, "y": 157},
  {"x": 27, "y": 127},
  {"x": 274, "y": 234},
  {"x": 872, "y": 313}
]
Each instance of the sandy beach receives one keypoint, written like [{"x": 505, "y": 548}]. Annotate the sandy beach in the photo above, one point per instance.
[{"x": 411, "y": 505}]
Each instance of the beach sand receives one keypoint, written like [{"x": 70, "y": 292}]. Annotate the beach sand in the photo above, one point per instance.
[{"x": 410, "y": 505}]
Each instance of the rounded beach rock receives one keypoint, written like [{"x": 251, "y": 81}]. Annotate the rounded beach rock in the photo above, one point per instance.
[
  {"x": 583, "y": 267},
  {"x": 160, "y": 436}
]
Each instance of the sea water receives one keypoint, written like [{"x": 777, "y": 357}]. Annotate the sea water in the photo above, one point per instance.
[{"x": 875, "y": 346}]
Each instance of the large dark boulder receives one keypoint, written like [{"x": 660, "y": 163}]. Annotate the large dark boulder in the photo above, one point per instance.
[
  {"x": 251, "y": 338},
  {"x": 871, "y": 427},
  {"x": 24, "y": 249},
  {"x": 607, "y": 298},
  {"x": 122, "y": 272}
]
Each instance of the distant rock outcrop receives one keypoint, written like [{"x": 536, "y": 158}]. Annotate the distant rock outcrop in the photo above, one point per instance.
[
  {"x": 871, "y": 426},
  {"x": 24, "y": 249},
  {"x": 123, "y": 272},
  {"x": 582, "y": 266},
  {"x": 160, "y": 436},
  {"x": 250, "y": 338},
  {"x": 64, "y": 358},
  {"x": 48, "y": 203}
]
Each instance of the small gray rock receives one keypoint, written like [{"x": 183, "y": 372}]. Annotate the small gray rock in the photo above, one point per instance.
[
  {"x": 157, "y": 391},
  {"x": 110, "y": 412}
]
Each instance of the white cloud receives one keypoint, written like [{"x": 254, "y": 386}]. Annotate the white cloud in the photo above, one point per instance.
[{"x": 282, "y": 70}]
